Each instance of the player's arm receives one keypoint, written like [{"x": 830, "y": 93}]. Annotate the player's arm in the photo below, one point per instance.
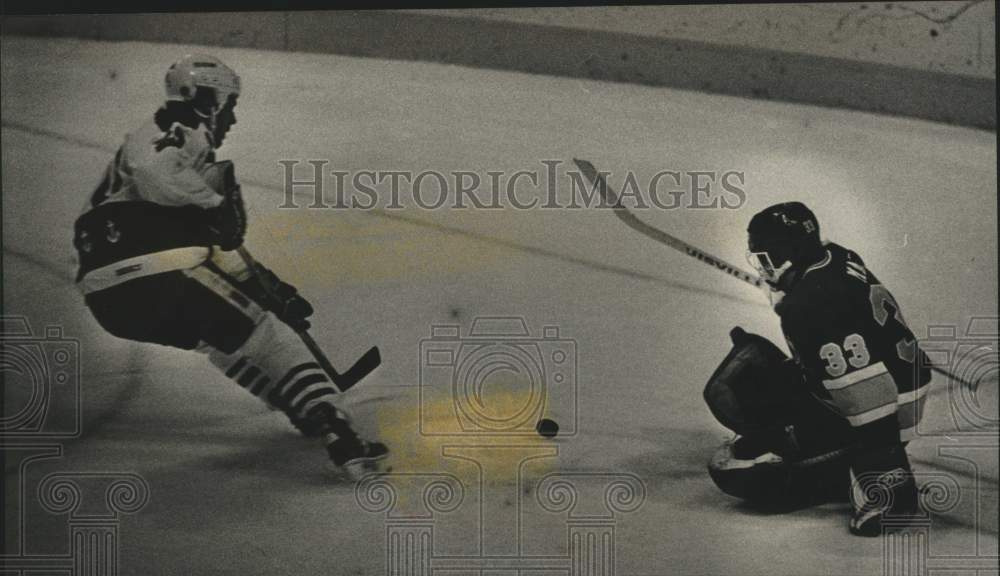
[
  {"x": 169, "y": 170},
  {"x": 265, "y": 287}
]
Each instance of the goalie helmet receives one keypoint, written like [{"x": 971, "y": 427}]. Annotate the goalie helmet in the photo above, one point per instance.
[
  {"x": 195, "y": 71},
  {"x": 782, "y": 236}
]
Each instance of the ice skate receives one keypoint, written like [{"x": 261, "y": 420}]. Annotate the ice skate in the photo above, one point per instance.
[{"x": 357, "y": 457}]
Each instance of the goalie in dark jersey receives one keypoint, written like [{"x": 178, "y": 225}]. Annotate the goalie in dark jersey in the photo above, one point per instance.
[{"x": 833, "y": 420}]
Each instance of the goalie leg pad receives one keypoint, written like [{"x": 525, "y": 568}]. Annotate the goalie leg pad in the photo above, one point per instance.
[
  {"x": 756, "y": 478},
  {"x": 742, "y": 469}
]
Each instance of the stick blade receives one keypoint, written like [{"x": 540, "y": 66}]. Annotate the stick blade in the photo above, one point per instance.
[
  {"x": 585, "y": 166},
  {"x": 368, "y": 362},
  {"x": 588, "y": 170}
]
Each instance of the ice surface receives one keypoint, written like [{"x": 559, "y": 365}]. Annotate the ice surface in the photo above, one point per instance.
[{"x": 234, "y": 491}]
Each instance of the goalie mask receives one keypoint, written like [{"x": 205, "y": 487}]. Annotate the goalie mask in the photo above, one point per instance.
[
  {"x": 782, "y": 237},
  {"x": 209, "y": 86}
]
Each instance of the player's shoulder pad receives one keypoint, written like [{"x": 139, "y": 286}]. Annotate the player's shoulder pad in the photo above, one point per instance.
[
  {"x": 823, "y": 286},
  {"x": 184, "y": 140}
]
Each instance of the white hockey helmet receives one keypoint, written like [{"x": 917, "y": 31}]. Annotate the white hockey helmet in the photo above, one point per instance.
[{"x": 201, "y": 70}]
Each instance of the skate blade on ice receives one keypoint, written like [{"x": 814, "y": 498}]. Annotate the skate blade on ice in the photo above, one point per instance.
[{"x": 360, "y": 467}]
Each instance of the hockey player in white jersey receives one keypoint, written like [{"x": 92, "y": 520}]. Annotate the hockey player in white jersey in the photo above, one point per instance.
[{"x": 156, "y": 243}]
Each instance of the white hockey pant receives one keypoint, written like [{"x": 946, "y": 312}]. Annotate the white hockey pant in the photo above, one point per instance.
[{"x": 272, "y": 363}]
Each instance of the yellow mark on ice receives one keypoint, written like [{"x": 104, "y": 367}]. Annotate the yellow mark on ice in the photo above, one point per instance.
[{"x": 428, "y": 437}]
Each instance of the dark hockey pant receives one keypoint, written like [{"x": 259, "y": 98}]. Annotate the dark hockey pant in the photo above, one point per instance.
[{"x": 201, "y": 309}]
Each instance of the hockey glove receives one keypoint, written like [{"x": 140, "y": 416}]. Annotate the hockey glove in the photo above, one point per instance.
[
  {"x": 220, "y": 176},
  {"x": 228, "y": 221},
  {"x": 279, "y": 297},
  {"x": 884, "y": 492}
]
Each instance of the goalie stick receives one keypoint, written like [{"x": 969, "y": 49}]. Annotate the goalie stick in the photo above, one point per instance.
[
  {"x": 641, "y": 227},
  {"x": 342, "y": 381},
  {"x": 638, "y": 225}
]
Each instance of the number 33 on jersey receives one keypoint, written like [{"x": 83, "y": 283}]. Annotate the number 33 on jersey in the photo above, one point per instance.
[{"x": 859, "y": 356}]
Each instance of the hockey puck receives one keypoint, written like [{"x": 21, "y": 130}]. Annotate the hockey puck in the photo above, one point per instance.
[{"x": 547, "y": 428}]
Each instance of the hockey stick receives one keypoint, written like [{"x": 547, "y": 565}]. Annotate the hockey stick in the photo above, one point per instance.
[
  {"x": 970, "y": 385},
  {"x": 368, "y": 361},
  {"x": 660, "y": 236}
]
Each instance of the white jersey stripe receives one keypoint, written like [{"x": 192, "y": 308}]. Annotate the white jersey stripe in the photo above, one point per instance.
[
  {"x": 914, "y": 394},
  {"x": 855, "y": 377}
]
